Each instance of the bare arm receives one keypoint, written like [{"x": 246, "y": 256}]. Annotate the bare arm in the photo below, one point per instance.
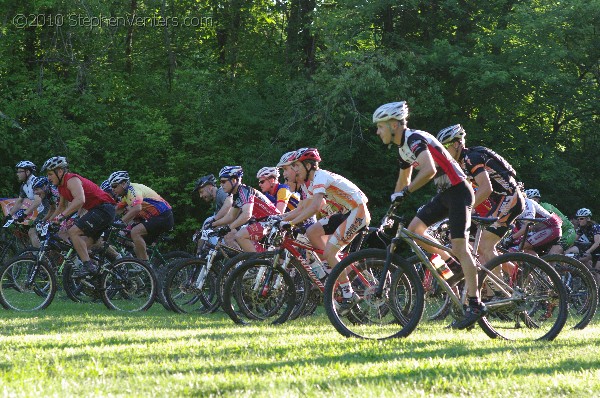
[
  {"x": 484, "y": 187},
  {"x": 225, "y": 208},
  {"x": 310, "y": 209},
  {"x": 76, "y": 187}
]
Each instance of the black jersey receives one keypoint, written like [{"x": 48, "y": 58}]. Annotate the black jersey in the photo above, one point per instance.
[{"x": 502, "y": 175}]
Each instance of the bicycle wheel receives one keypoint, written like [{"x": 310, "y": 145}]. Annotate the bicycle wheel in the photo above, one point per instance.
[
  {"x": 262, "y": 292},
  {"x": 190, "y": 287},
  {"x": 581, "y": 288},
  {"x": 27, "y": 284},
  {"x": 8, "y": 250},
  {"x": 77, "y": 289},
  {"x": 530, "y": 301},
  {"x": 437, "y": 301},
  {"x": 162, "y": 264},
  {"x": 128, "y": 285},
  {"x": 395, "y": 314}
]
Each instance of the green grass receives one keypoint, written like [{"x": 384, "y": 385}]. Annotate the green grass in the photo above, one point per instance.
[{"x": 86, "y": 350}]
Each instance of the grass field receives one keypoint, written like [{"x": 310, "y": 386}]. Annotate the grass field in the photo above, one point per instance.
[{"x": 86, "y": 350}]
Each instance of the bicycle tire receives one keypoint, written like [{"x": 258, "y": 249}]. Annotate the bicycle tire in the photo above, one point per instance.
[
  {"x": 128, "y": 285},
  {"x": 582, "y": 289},
  {"x": 180, "y": 291},
  {"x": 162, "y": 264},
  {"x": 536, "y": 309},
  {"x": 263, "y": 292},
  {"x": 396, "y": 314},
  {"x": 20, "y": 291}
]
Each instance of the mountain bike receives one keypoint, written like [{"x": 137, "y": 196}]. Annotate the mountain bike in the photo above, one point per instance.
[{"x": 516, "y": 287}]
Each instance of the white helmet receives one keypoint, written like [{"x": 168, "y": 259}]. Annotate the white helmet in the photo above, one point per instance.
[
  {"x": 393, "y": 110},
  {"x": 27, "y": 165},
  {"x": 583, "y": 213},
  {"x": 55, "y": 162},
  {"x": 532, "y": 193},
  {"x": 118, "y": 177},
  {"x": 287, "y": 159},
  {"x": 451, "y": 133},
  {"x": 268, "y": 172}
]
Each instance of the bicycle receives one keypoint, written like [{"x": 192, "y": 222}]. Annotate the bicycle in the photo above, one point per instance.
[
  {"x": 28, "y": 282},
  {"x": 191, "y": 284},
  {"x": 516, "y": 288},
  {"x": 13, "y": 239},
  {"x": 257, "y": 284},
  {"x": 578, "y": 279}
]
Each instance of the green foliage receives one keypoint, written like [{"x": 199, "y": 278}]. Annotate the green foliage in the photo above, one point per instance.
[{"x": 251, "y": 80}]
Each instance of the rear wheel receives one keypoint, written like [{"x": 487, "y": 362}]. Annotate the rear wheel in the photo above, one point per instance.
[
  {"x": 530, "y": 303},
  {"x": 128, "y": 285},
  {"x": 581, "y": 288},
  {"x": 396, "y": 313},
  {"x": 190, "y": 287}
]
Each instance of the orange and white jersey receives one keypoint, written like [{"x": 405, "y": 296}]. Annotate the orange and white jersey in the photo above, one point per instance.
[{"x": 336, "y": 189}]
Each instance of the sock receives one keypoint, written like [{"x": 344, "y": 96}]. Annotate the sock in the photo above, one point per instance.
[{"x": 346, "y": 290}]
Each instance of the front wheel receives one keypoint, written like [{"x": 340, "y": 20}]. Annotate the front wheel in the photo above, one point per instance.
[
  {"x": 396, "y": 313},
  {"x": 525, "y": 297},
  {"x": 27, "y": 284},
  {"x": 263, "y": 292},
  {"x": 128, "y": 285}
]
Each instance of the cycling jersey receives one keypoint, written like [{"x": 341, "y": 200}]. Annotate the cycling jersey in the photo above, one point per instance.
[
  {"x": 94, "y": 195},
  {"x": 414, "y": 142},
  {"x": 220, "y": 198},
  {"x": 501, "y": 174},
  {"x": 50, "y": 199},
  {"x": 262, "y": 206},
  {"x": 282, "y": 194},
  {"x": 548, "y": 232},
  {"x": 585, "y": 234},
  {"x": 336, "y": 188},
  {"x": 26, "y": 192},
  {"x": 152, "y": 203}
]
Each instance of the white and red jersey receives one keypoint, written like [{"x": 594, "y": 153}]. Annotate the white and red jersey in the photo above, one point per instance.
[
  {"x": 414, "y": 142},
  {"x": 337, "y": 190}
]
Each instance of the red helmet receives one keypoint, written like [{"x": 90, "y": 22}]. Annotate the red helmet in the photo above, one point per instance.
[{"x": 303, "y": 154}]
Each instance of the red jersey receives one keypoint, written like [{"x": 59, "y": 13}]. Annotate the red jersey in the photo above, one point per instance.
[{"x": 93, "y": 195}]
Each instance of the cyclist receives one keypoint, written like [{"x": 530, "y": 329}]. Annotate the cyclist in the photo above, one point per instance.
[
  {"x": 249, "y": 206},
  {"x": 77, "y": 193},
  {"x": 279, "y": 194},
  {"x": 422, "y": 151},
  {"x": 495, "y": 180},
  {"x": 206, "y": 187},
  {"x": 25, "y": 175},
  {"x": 341, "y": 227},
  {"x": 49, "y": 196},
  {"x": 587, "y": 243},
  {"x": 568, "y": 230},
  {"x": 146, "y": 213},
  {"x": 543, "y": 235}
]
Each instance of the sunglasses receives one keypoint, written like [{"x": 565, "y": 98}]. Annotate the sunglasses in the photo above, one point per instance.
[
  {"x": 262, "y": 181},
  {"x": 223, "y": 181},
  {"x": 113, "y": 186},
  {"x": 581, "y": 218}
]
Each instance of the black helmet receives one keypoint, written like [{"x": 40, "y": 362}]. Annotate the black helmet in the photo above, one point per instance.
[{"x": 203, "y": 181}]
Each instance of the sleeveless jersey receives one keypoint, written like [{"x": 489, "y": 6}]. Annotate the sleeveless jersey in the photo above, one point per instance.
[
  {"x": 94, "y": 195},
  {"x": 415, "y": 142}
]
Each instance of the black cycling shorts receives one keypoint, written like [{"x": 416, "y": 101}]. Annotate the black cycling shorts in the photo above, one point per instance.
[
  {"x": 96, "y": 220},
  {"x": 331, "y": 223},
  {"x": 157, "y": 225},
  {"x": 456, "y": 203}
]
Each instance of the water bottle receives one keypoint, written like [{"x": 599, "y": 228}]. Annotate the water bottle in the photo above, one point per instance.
[
  {"x": 441, "y": 267},
  {"x": 316, "y": 266}
]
